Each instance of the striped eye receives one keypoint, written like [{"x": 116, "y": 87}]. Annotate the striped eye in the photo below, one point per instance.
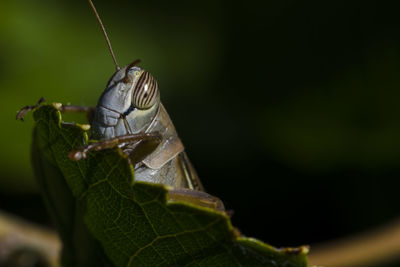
[{"x": 146, "y": 91}]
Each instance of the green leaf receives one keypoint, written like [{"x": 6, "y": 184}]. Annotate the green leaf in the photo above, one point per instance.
[{"x": 104, "y": 216}]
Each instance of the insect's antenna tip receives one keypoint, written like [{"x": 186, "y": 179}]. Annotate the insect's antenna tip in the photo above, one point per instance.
[{"x": 105, "y": 34}]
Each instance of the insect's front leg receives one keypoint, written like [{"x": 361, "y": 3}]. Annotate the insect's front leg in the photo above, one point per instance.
[
  {"x": 23, "y": 111},
  {"x": 63, "y": 108},
  {"x": 146, "y": 143},
  {"x": 79, "y": 109}
]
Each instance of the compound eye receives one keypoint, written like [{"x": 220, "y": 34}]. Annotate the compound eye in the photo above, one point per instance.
[{"x": 146, "y": 91}]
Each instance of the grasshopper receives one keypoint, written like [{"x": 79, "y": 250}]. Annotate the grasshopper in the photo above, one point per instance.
[{"x": 130, "y": 115}]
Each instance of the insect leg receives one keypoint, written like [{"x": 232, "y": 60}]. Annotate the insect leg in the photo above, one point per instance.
[
  {"x": 63, "y": 108},
  {"x": 73, "y": 108},
  {"x": 196, "y": 197},
  {"x": 80, "y": 153},
  {"x": 79, "y": 109},
  {"x": 23, "y": 111}
]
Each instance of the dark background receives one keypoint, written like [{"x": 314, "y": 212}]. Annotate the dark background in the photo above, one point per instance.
[{"x": 288, "y": 109}]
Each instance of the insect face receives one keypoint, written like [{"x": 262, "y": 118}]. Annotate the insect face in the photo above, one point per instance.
[
  {"x": 128, "y": 104},
  {"x": 139, "y": 83}
]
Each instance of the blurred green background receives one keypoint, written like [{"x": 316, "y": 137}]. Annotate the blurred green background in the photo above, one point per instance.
[{"x": 288, "y": 109}]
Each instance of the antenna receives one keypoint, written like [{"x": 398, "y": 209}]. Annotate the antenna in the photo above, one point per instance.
[{"x": 105, "y": 34}]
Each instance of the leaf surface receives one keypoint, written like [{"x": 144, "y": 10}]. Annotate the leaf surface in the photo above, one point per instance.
[{"x": 103, "y": 215}]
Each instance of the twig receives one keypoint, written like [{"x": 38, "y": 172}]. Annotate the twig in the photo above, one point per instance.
[
  {"x": 16, "y": 234},
  {"x": 373, "y": 247}
]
